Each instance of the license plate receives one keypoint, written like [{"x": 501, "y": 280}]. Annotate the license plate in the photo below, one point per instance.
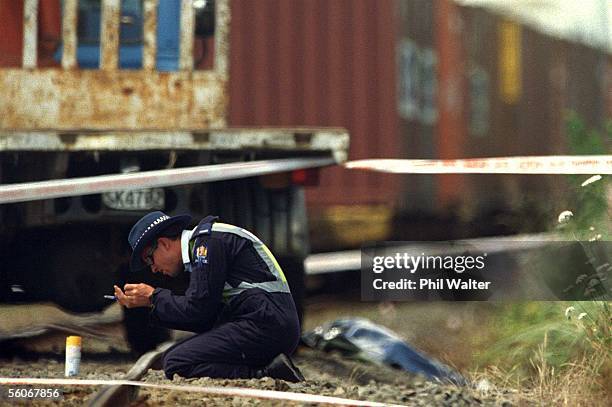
[{"x": 135, "y": 199}]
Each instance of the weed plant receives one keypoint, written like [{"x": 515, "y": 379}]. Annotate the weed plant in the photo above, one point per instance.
[{"x": 560, "y": 353}]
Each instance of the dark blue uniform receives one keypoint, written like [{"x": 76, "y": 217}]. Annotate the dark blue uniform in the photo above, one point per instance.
[{"x": 238, "y": 301}]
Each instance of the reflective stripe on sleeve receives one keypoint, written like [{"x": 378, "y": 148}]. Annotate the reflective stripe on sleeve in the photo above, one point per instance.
[{"x": 280, "y": 285}]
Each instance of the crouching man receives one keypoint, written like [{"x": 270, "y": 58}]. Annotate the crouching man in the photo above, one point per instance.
[{"x": 238, "y": 301}]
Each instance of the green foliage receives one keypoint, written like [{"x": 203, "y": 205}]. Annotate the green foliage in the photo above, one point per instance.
[
  {"x": 589, "y": 205},
  {"x": 520, "y": 328},
  {"x": 584, "y": 141},
  {"x": 592, "y": 321},
  {"x": 571, "y": 331}
]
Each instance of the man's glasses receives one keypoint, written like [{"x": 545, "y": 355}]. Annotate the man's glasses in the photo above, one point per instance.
[{"x": 148, "y": 258}]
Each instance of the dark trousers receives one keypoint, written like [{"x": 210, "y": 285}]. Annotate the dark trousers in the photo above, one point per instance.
[{"x": 256, "y": 326}]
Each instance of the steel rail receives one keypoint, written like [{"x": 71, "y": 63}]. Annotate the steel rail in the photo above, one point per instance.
[
  {"x": 121, "y": 394},
  {"x": 32, "y": 191}
]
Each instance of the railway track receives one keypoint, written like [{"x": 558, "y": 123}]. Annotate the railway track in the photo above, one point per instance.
[
  {"x": 116, "y": 380},
  {"x": 110, "y": 375},
  {"x": 123, "y": 389}
]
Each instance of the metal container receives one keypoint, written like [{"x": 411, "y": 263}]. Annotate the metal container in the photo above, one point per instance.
[
  {"x": 321, "y": 62},
  {"x": 11, "y": 32},
  {"x": 409, "y": 79}
]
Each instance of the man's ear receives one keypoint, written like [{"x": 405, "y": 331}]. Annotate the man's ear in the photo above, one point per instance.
[{"x": 164, "y": 242}]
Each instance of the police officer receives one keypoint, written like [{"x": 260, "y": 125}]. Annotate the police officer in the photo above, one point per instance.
[{"x": 238, "y": 301}]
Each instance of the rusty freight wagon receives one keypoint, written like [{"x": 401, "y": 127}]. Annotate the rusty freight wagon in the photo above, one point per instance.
[
  {"x": 325, "y": 63},
  {"x": 417, "y": 79},
  {"x": 500, "y": 87},
  {"x": 112, "y": 118}
]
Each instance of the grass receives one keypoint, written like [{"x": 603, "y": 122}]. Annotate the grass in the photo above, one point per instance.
[
  {"x": 575, "y": 384},
  {"x": 551, "y": 353},
  {"x": 560, "y": 353},
  {"x": 530, "y": 350}
]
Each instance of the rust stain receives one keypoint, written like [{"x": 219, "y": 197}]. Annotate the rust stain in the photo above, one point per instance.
[
  {"x": 113, "y": 99},
  {"x": 122, "y": 99}
]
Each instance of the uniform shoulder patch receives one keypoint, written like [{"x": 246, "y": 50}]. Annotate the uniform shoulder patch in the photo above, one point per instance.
[{"x": 201, "y": 253}]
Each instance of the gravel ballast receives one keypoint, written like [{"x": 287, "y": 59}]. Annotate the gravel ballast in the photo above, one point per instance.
[
  {"x": 326, "y": 375},
  {"x": 112, "y": 368}
]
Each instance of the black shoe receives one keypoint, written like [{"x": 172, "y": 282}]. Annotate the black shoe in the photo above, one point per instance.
[{"x": 282, "y": 368}]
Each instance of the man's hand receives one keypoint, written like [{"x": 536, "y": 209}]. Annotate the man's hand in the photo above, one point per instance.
[{"x": 136, "y": 295}]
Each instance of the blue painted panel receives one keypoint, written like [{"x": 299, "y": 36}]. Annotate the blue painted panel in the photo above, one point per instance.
[{"x": 130, "y": 38}]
